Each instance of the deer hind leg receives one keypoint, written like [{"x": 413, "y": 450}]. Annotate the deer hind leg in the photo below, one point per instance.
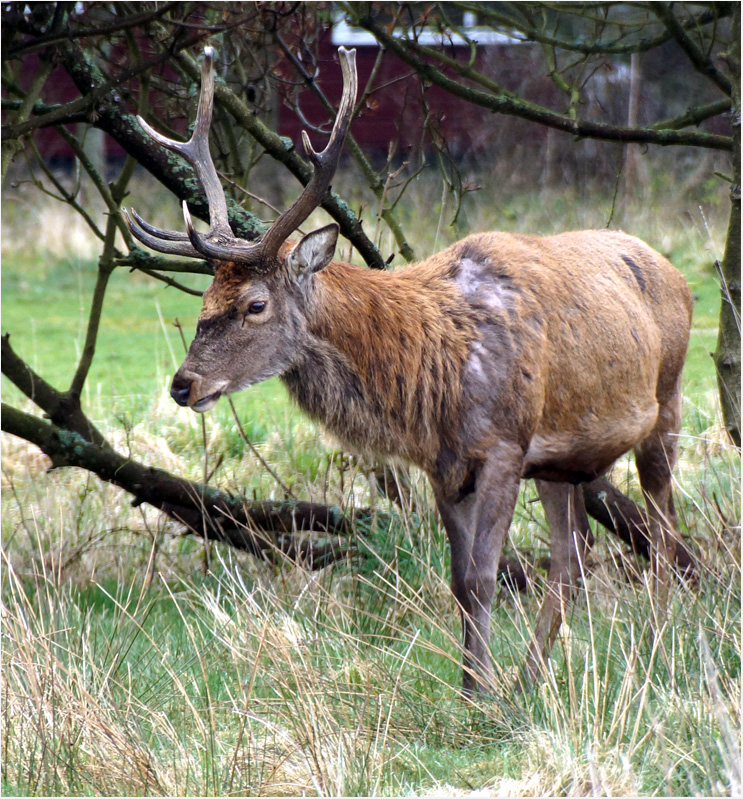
[
  {"x": 571, "y": 540},
  {"x": 655, "y": 457}
]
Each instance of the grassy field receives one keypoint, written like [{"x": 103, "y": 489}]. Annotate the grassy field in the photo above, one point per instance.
[{"x": 129, "y": 668}]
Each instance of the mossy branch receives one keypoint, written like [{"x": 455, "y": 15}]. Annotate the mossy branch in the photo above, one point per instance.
[
  {"x": 264, "y": 529},
  {"x": 694, "y": 116},
  {"x": 63, "y": 408},
  {"x": 700, "y": 60}
]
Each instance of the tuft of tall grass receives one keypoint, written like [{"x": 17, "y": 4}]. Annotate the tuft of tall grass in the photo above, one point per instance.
[{"x": 257, "y": 680}]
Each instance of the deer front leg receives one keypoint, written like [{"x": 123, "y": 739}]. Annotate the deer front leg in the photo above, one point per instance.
[
  {"x": 477, "y": 527},
  {"x": 458, "y": 519},
  {"x": 570, "y": 542}
]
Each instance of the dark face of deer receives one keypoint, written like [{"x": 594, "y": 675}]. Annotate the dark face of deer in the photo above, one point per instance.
[{"x": 251, "y": 326}]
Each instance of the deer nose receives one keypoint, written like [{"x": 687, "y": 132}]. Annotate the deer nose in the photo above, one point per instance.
[{"x": 180, "y": 390}]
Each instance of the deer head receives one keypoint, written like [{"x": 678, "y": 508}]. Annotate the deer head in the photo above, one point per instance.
[{"x": 251, "y": 322}]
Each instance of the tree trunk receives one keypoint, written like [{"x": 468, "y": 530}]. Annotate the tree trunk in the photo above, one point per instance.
[{"x": 727, "y": 354}]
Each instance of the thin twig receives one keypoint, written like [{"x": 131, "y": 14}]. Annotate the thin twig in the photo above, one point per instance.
[
  {"x": 373, "y": 179},
  {"x": 64, "y": 195},
  {"x": 250, "y": 194},
  {"x": 165, "y": 279},
  {"x": 207, "y": 551},
  {"x": 257, "y": 454}
]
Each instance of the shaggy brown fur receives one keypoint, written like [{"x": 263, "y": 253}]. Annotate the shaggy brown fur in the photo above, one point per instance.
[{"x": 405, "y": 336}]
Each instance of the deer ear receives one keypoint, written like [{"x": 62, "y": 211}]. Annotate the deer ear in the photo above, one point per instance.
[{"x": 315, "y": 251}]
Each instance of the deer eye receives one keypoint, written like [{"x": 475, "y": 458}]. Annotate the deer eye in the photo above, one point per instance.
[{"x": 257, "y": 307}]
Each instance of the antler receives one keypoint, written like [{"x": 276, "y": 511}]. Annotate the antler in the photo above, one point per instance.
[
  {"x": 196, "y": 152},
  {"x": 220, "y": 243},
  {"x": 324, "y": 163}
]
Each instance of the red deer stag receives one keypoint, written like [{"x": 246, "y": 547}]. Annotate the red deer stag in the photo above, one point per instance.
[{"x": 501, "y": 358}]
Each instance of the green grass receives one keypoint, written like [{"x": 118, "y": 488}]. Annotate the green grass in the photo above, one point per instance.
[{"x": 128, "y": 669}]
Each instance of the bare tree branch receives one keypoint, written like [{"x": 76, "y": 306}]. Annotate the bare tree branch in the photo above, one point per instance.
[
  {"x": 167, "y": 280},
  {"x": 373, "y": 179},
  {"x": 62, "y": 408},
  {"x": 268, "y": 529},
  {"x": 694, "y": 116},
  {"x": 640, "y": 44},
  {"x": 407, "y": 50},
  {"x": 139, "y": 258},
  {"x": 702, "y": 63}
]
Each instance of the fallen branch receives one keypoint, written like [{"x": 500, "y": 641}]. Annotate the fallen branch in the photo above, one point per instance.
[
  {"x": 623, "y": 517},
  {"x": 264, "y": 529}
]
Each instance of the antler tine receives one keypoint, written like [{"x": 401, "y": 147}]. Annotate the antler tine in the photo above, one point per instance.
[
  {"x": 248, "y": 253},
  {"x": 345, "y": 110},
  {"x": 157, "y": 239},
  {"x": 220, "y": 242},
  {"x": 324, "y": 163},
  {"x": 197, "y": 154},
  {"x": 161, "y": 233}
]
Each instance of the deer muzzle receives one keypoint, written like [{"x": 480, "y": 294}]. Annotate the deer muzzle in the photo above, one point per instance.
[{"x": 195, "y": 391}]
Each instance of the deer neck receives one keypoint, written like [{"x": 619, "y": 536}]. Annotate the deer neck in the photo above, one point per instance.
[{"x": 381, "y": 365}]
